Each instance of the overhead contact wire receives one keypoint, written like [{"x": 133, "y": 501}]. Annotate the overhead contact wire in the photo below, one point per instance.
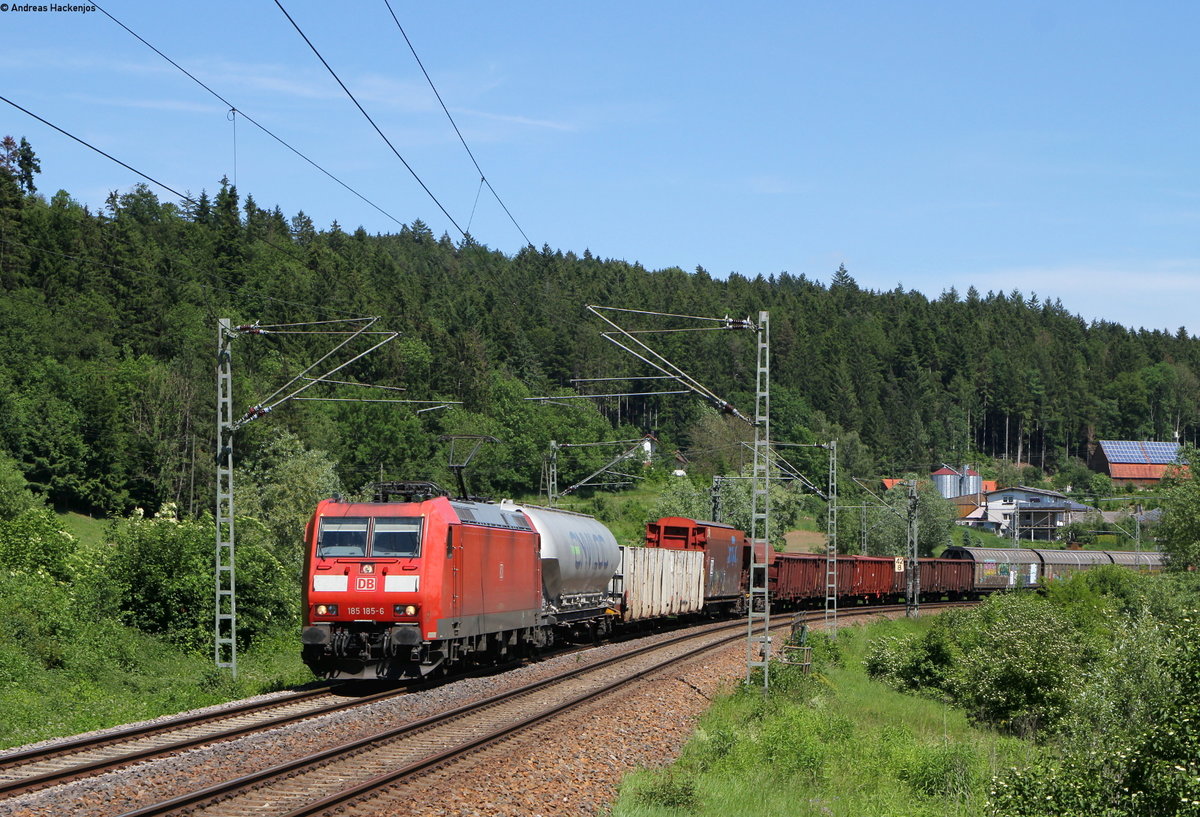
[
  {"x": 363, "y": 111},
  {"x": 149, "y": 178},
  {"x": 482, "y": 176},
  {"x": 249, "y": 118}
]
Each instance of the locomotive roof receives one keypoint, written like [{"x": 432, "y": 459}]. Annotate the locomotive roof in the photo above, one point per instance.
[{"x": 490, "y": 515}]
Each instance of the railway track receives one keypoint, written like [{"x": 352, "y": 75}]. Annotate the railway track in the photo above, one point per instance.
[
  {"x": 83, "y": 757},
  {"x": 351, "y": 771},
  {"x": 340, "y": 776},
  {"x": 330, "y": 777}
]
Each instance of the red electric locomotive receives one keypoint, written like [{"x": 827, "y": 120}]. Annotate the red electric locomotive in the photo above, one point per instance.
[{"x": 399, "y": 589}]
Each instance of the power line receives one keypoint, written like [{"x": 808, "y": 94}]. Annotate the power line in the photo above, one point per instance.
[
  {"x": 234, "y": 109},
  {"x": 148, "y": 178},
  {"x": 369, "y": 119},
  {"x": 482, "y": 176}
]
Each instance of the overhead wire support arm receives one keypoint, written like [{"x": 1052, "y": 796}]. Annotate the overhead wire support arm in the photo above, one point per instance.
[
  {"x": 657, "y": 361},
  {"x": 353, "y": 383},
  {"x": 609, "y": 379},
  {"x": 788, "y": 468},
  {"x": 266, "y": 406},
  {"x": 615, "y": 394},
  {"x": 432, "y": 403},
  {"x": 604, "y": 469},
  {"x": 225, "y": 613}
]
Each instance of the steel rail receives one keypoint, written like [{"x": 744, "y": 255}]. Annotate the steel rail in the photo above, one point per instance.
[
  {"x": 223, "y": 791},
  {"x": 64, "y": 751},
  {"x": 193, "y": 801}
]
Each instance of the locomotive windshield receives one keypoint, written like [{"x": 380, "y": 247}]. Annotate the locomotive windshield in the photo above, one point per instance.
[
  {"x": 398, "y": 536},
  {"x": 343, "y": 536}
]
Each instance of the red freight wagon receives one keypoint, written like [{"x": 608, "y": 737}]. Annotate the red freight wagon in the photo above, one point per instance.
[
  {"x": 726, "y": 554},
  {"x": 946, "y": 577},
  {"x": 866, "y": 577},
  {"x": 798, "y": 578}
]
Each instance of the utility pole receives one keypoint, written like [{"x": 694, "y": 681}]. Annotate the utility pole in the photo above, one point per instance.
[
  {"x": 759, "y": 612},
  {"x": 912, "y": 566},
  {"x": 912, "y": 599},
  {"x": 831, "y": 610},
  {"x": 225, "y": 624},
  {"x": 225, "y": 578}
]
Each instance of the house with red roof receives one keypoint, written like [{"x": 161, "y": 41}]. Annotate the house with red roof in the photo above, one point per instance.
[{"x": 1135, "y": 462}]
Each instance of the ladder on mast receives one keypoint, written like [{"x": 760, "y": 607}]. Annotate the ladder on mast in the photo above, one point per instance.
[
  {"x": 758, "y": 616},
  {"x": 831, "y": 543},
  {"x": 225, "y": 625}
]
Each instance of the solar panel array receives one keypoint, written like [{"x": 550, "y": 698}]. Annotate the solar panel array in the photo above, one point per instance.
[{"x": 1144, "y": 452}]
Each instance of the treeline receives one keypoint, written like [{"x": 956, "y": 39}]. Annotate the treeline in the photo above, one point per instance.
[{"x": 108, "y": 339}]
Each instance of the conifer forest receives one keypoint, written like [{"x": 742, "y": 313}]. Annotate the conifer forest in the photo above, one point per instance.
[{"x": 109, "y": 319}]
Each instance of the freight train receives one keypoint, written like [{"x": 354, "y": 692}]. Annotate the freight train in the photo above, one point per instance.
[{"x": 417, "y": 583}]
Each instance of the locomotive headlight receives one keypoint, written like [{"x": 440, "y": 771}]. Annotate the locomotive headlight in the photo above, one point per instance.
[
  {"x": 326, "y": 610},
  {"x": 405, "y": 609},
  {"x": 368, "y": 569}
]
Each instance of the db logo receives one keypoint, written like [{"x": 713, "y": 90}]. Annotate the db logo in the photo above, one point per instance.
[{"x": 364, "y": 583}]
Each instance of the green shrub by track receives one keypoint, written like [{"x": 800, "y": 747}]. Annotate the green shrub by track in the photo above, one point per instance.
[{"x": 831, "y": 743}]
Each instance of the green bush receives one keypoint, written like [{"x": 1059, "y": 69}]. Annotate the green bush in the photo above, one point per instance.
[
  {"x": 668, "y": 789},
  {"x": 1011, "y": 663},
  {"x": 33, "y": 541},
  {"x": 161, "y": 573},
  {"x": 941, "y": 770}
]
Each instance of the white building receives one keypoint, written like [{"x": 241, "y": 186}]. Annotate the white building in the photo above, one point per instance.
[{"x": 1036, "y": 513}]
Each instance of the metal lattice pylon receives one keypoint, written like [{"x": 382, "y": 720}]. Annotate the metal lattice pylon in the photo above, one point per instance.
[
  {"x": 550, "y": 475},
  {"x": 831, "y": 543},
  {"x": 225, "y": 623},
  {"x": 912, "y": 606},
  {"x": 758, "y": 615}
]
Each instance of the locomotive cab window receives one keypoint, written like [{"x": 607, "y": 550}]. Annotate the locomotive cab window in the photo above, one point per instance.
[
  {"x": 397, "y": 536},
  {"x": 342, "y": 536}
]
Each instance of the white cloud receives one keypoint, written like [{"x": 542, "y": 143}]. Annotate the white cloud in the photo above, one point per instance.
[
  {"x": 519, "y": 120},
  {"x": 150, "y": 104}
]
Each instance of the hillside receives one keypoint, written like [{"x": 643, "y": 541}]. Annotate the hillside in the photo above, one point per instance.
[{"x": 108, "y": 324}]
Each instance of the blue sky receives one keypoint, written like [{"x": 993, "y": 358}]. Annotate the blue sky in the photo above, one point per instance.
[{"x": 1045, "y": 147}]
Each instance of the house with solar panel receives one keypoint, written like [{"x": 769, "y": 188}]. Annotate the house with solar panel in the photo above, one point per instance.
[{"x": 1134, "y": 462}]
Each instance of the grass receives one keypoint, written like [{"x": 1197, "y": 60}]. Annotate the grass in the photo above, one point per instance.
[
  {"x": 131, "y": 677},
  {"x": 831, "y": 744},
  {"x": 63, "y": 671},
  {"x": 87, "y": 530}
]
